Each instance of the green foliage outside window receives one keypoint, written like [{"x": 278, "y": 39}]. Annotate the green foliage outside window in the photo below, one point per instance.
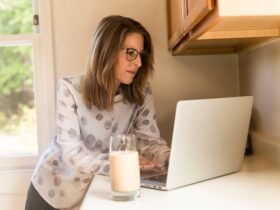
[
  {"x": 16, "y": 16},
  {"x": 16, "y": 86}
]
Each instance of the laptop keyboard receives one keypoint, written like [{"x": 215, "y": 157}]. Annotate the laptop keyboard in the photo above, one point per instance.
[{"x": 160, "y": 178}]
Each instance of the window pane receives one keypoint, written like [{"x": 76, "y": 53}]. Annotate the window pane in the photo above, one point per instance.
[
  {"x": 16, "y": 17},
  {"x": 18, "y": 134}
]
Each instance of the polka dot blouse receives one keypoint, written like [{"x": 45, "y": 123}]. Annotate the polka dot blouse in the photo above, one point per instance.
[{"x": 80, "y": 148}]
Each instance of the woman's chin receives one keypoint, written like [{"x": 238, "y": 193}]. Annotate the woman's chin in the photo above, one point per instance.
[{"x": 127, "y": 82}]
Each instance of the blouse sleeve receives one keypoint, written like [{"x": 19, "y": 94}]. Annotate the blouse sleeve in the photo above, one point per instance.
[
  {"x": 74, "y": 153},
  {"x": 150, "y": 144}
]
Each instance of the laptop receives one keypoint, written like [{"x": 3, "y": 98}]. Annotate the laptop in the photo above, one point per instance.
[{"x": 208, "y": 141}]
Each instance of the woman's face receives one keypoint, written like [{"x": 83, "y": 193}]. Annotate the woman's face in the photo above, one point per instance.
[{"x": 129, "y": 59}]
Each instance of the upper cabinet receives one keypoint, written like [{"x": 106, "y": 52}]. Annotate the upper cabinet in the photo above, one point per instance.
[{"x": 220, "y": 26}]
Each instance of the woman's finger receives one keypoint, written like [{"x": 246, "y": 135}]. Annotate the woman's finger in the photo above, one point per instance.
[
  {"x": 147, "y": 167},
  {"x": 143, "y": 161}
]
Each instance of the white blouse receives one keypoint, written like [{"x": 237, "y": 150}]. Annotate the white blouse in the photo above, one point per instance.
[{"x": 80, "y": 148}]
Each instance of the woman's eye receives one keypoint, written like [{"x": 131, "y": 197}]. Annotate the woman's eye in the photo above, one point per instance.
[{"x": 131, "y": 53}]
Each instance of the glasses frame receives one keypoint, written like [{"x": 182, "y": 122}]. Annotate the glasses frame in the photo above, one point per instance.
[{"x": 137, "y": 53}]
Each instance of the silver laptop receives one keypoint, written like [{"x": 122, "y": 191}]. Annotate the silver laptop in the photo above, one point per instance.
[{"x": 209, "y": 140}]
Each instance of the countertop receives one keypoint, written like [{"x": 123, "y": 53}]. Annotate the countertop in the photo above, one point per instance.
[{"x": 255, "y": 187}]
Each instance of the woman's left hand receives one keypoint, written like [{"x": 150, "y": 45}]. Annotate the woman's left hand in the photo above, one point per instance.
[{"x": 147, "y": 165}]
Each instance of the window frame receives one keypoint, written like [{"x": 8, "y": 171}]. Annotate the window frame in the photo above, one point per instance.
[{"x": 44, "y": 84}]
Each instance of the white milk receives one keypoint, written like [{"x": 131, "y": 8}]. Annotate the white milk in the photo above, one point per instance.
[{"x": 124, "y": 171}]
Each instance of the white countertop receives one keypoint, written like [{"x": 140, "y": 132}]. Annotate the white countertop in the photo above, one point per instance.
[{"x": 255, "y": 187}]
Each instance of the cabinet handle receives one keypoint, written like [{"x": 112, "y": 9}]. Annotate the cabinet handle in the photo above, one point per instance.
[
  {"x": 183, "y": 11},
  {"x": 187, "y": 7}
]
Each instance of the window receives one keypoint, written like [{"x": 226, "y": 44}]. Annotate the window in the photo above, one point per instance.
[{"x": 26, "y": 81}]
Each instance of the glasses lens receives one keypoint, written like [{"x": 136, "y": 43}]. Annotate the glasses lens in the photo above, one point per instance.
[{"x": 131, "y": 54}]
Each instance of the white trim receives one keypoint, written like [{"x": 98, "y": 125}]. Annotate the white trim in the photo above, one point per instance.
[
  {"x": 15, "y": 40},
  {"x": 17, "y": 163},
  {"x": 48, "y": 76}
]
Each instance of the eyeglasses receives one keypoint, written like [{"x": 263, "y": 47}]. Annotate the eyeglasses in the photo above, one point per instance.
[{"x": 131, "y": 54}]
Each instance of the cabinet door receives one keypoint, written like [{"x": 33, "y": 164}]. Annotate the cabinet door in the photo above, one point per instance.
[
  {"x": 183, "y": 15},
  {"x": 175, "y": 22},
  {"x": 195, "y": 11}
]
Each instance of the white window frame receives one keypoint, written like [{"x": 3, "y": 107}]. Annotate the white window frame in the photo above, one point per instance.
[{"x": 44, "y": 84}]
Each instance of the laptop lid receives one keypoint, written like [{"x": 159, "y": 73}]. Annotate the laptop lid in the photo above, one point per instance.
[{"x": 209, "y": 139}]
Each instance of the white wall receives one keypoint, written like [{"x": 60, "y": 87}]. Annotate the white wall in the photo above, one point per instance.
[
  {"x": 260, "y": 77},
  {"x": 13, "y": 189},
  {"x": 184, "y": 77}
]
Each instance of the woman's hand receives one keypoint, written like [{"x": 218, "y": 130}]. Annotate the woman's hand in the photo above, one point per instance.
[{"x": 147, "y": 165}]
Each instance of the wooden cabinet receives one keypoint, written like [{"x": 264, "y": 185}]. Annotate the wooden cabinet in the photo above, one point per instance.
[
  {"x": 183, "y": 16},
  {"x": 220, "y": 26}
]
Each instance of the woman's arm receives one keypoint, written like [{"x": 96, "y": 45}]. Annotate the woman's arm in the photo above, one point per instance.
[
  {"x": 69, "y": 138},
  {"x": 150, "y": 144}
]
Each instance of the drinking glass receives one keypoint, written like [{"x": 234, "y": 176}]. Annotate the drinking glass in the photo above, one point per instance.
[{"x": 124, "y": 168}]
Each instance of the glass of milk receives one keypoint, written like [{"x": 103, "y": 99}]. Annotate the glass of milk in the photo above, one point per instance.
[{"x": 124, "y": 168}]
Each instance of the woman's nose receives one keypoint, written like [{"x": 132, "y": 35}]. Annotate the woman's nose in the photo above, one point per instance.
[{"x": 138, "y": 61}]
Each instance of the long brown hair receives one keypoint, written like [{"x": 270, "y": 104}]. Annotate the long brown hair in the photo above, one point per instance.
[{"x": 98, "y": 86}]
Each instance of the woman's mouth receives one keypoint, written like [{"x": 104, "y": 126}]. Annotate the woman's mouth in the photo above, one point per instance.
[{"x": 132, "y": 72}]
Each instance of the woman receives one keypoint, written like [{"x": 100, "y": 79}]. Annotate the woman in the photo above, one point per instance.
[{"x": 113, "y": 97}]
